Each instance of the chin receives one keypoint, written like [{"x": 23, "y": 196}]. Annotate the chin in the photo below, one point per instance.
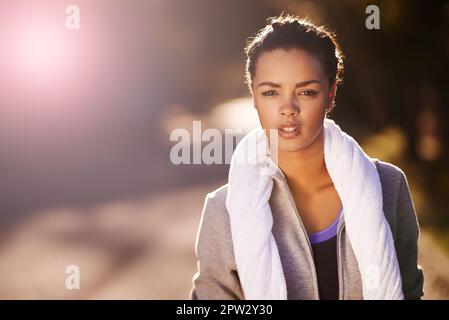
[{"x": 292, "y": 145}]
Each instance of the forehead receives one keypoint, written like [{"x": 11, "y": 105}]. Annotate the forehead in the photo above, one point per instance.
[{"x": 281, "y": 65}]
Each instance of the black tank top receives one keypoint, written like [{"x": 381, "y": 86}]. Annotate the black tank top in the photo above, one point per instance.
[
  {"x": 324, "y": 247},
  {"x": 325, "y": 257}
]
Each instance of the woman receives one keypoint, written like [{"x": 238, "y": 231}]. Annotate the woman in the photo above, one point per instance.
[{"x": 328, "y": 222}]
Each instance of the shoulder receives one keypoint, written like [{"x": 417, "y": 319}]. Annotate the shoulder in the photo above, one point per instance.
[
  {"x": 215, "y": 226},
  {"x": 391, "y": 177},
  {"x": 397, "y": 200},
  {"x": 387, "y": 169},
  {"x": 217, "y": 197},
  {"x": 215, "y": 215},
  {"x": 215, "y": 205}
]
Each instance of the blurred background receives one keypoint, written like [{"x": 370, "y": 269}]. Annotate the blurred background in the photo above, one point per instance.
[{"x": 86, "y": 116}]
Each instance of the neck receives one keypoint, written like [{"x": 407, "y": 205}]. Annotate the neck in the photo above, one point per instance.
[{"x": 305, "y": 170}]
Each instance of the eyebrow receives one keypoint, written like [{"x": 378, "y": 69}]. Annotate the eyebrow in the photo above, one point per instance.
[{"x": 299, "y": 84}]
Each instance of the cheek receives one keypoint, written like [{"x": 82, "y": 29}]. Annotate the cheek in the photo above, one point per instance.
[
  {"x": 314, "y": 111},
  {"x": 266, "y": 120},
  {"x": 268, "y": 113},
  {"x": 313, "y": 118}
]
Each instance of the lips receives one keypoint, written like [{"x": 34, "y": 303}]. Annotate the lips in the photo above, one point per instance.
[{"x": 289, "y": 130}]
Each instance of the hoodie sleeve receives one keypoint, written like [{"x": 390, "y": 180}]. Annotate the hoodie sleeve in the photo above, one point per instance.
[
  {"x": 407, "y": 236},
  {"x": 216, "y": 277}
]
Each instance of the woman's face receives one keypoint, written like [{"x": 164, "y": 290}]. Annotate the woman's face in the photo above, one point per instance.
[{"x": 291, "y": 94}]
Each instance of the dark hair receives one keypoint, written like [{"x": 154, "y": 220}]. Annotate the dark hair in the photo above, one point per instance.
[{"x": 291, "y": 32}]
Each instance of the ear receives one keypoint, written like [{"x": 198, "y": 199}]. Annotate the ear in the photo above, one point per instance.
[{"x": 332, "y": 94}]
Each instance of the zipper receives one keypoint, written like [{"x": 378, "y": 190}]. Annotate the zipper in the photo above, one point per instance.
[
  {"x": 339, "y": 265},
  {"x": 292, "y": 202}
]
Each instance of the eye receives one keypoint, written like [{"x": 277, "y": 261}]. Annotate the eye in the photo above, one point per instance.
[
  {"x": 269, "y": 93},
  {"x": 308, "y": 93}
]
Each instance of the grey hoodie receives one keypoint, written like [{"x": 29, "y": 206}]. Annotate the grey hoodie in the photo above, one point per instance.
[{"x": 217, "y": 275}]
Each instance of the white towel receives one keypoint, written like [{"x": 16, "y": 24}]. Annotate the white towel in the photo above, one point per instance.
[{"x": 357, "y": 182}]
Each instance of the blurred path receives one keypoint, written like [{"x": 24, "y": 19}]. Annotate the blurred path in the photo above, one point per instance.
[
  {"x": 132, "y": 249},
  {"x": 139, "y": 248},
  {"x": 435, "y": 262}
]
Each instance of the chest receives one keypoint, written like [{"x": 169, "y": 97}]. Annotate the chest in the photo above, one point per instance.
[
  {"x": 318, "y": 210},
  {"x": 300, "y": 271}
]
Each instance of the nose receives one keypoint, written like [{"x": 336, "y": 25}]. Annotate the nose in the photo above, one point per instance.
[{"x": 289, "y": 108}]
